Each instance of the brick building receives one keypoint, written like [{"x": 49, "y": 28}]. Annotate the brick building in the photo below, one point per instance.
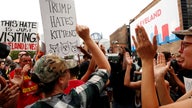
[{"x": 119, "y": 38}]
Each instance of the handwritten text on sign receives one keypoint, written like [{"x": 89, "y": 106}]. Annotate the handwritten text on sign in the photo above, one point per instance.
[
  {"x": 59, "y": 22},
  {"x": 20, "y": 35}
]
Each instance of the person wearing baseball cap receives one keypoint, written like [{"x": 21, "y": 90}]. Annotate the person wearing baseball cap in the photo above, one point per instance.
[
  {"x": 154, "y": 90},
  {"x": 182, "y": 33},
  {"x": 52, "y": 74},
  {"x": 185, "y": 48},
  {"x": 185, "y": 61}
]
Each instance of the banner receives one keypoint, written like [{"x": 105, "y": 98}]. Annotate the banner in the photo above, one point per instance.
[
  {"x": 59, "y": 26},
  {"x": 159, "y": 20},
  {"x": 19, "y": 35}
]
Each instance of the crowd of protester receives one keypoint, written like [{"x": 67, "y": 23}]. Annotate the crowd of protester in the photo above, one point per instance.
[{"x": 145, "y": 79}]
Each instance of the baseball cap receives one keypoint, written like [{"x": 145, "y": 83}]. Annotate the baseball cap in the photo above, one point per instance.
[
  {"x": 182, "y": 33},
  {"x": 49, "y": 67},
  {"x": 71, "y": 63}
]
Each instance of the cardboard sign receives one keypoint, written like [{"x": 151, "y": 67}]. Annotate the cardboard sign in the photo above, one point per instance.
[
  {"x": 19, "y": 35},
  {"x": 188, "y": 84},
  {"x": 59, "y": 25}
]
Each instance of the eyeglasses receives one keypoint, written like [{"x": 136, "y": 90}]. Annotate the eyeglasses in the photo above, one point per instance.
[{"x": 185, "y": 44}]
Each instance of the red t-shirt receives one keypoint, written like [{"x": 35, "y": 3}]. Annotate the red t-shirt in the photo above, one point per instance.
[
  {"x": 28, "y": 89},
  {"x": 72, "y": 84}
]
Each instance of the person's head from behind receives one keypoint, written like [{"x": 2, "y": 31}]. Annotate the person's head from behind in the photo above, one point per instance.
[
  {"x": 4, "y": 50},
  {"x": 167, "y": 55},
  {"x": 185, "y": 48},
  {"x": 25, "y": 59},
  {"x": 122, "y": 51},
  {"x": 51, "y": 73},
  {"x": 74, "y": 68}
]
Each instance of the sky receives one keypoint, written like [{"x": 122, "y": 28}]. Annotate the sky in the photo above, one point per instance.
[{"x": 102, "y": 16}]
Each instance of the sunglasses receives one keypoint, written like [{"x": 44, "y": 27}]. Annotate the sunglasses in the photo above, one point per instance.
[{"x": 185, "y": 44}]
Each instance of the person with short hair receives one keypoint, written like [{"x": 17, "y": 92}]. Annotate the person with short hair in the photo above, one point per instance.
[
  {"x": 19, "y": 55},
  {"x": 28, "y": 88},
  {"x": 9, "y": 90},
  {"x": 74, "y": 71},
  {"x": 51, "y": 73},
  {"x": 147, "y": 51}
]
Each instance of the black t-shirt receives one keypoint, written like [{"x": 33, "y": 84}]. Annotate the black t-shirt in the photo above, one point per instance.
[
  {"x": 83, "y": 68},
  {"x": 121, "y": 94}
]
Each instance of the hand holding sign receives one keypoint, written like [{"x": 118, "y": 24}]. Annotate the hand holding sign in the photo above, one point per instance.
[{"x": 59, "y": 22}]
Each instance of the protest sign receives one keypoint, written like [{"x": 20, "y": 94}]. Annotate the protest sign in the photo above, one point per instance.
[
  {"x": 19, "y": 35},
  {"x": 59, "y": 23}
]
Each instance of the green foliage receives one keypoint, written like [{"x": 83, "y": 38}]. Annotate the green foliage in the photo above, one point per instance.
[{"x": 14, "y": 54}]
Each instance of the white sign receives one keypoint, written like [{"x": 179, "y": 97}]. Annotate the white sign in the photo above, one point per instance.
[
  {"x": 160, "y": 20},
  {"x": 19, "y": 35},
  {"x": 59, "y": 25},
  {"x": 188, "y": 84}
]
